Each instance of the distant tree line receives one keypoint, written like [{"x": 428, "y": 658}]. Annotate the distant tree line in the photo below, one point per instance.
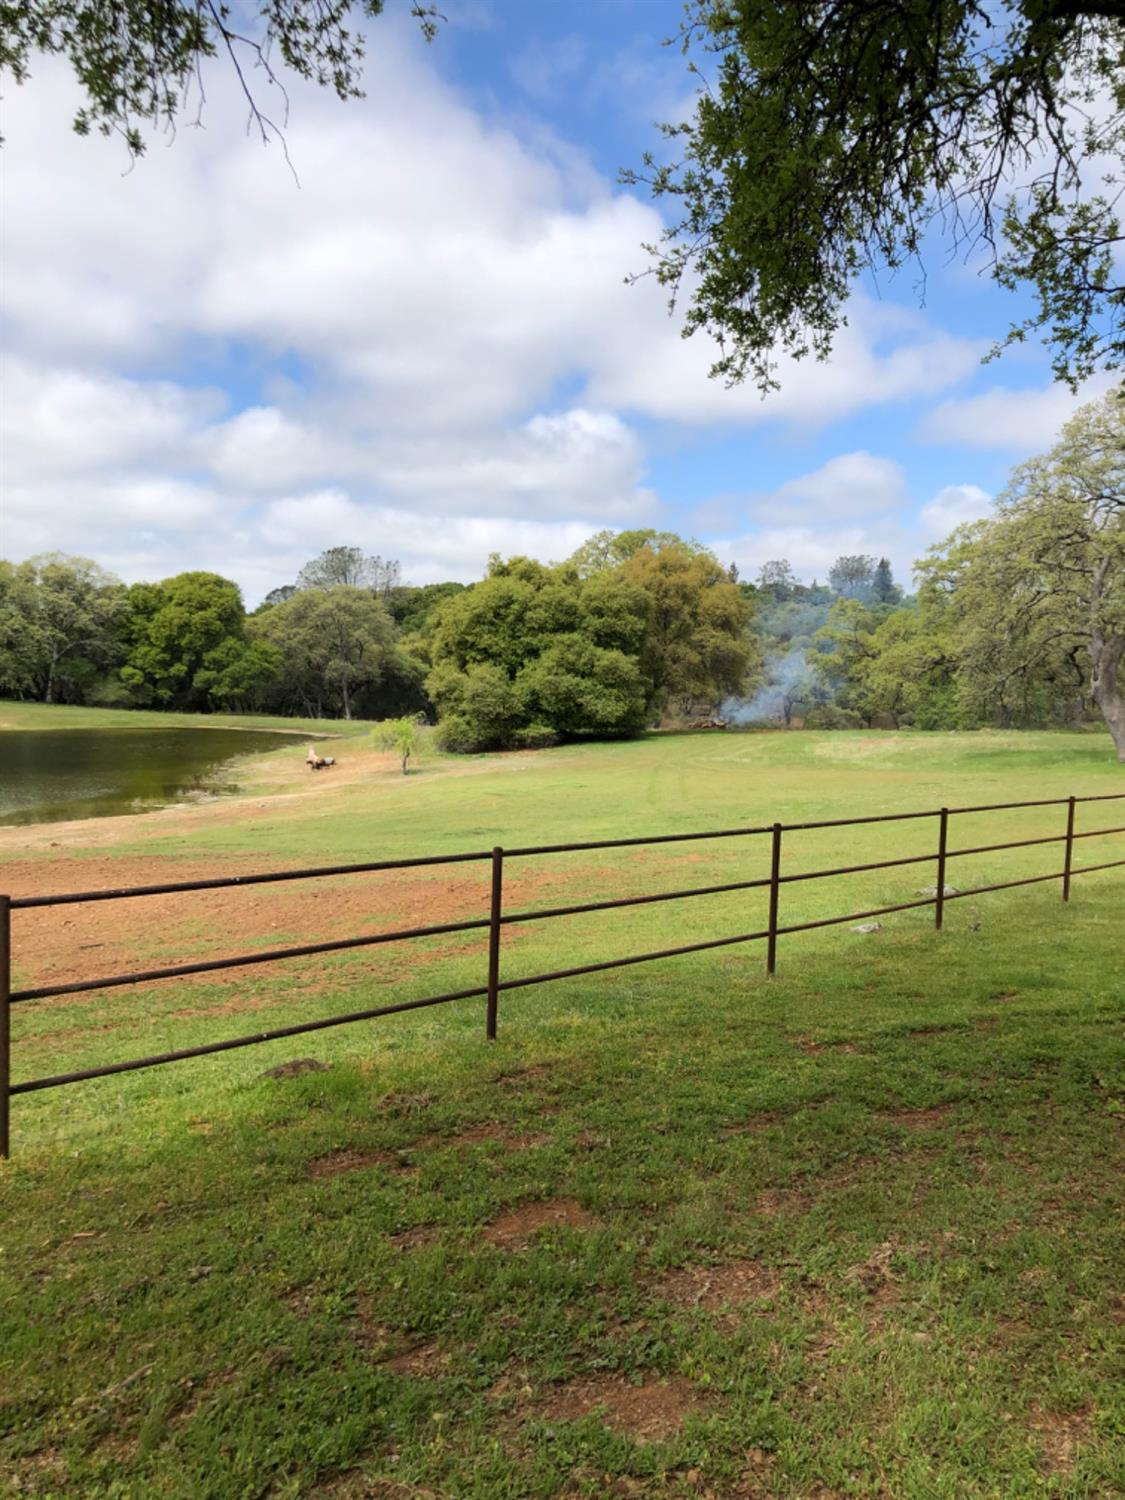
[
  {"x": 1018, "y": 620},
  {"x": 601, "y": 645},
  {"x": 335, "y": 645}
]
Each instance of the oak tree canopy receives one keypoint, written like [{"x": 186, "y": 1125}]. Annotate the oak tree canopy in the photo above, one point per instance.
[
  {"x": 836, "y": 138},
  {"x": 144, "y": 61}
]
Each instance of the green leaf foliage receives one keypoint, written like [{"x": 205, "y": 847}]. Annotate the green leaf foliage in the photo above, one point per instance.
[
  {"x": 145, "y": 62},
  {"x": 589, "y": 648},
  {"x": 1036, "y": 596},
  {"x": 831, "y": 139}
]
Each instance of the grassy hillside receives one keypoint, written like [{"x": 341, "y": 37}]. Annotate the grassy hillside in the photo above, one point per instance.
[{"x": 680, "y": 1232}]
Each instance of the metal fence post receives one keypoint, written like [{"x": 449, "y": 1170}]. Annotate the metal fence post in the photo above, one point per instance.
[
  {"x": 775, "y": 877},
  {"x": 5, "y": 1024},
  {"x": 1069, "y": 848},
  {"x": 494, "y": 941},
  {"x": 943, "y": 835}
]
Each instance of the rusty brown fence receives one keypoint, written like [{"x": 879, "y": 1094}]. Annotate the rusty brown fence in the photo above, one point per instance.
[{"x": 498, "y": 918}]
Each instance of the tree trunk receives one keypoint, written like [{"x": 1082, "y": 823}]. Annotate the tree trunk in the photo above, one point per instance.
[
  {"x": 347, "y": 700},
  {"x": 1106, "y": 653}
]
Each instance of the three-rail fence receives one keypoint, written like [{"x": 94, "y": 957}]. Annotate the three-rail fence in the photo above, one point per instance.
[{"x": 497, "y": 919}]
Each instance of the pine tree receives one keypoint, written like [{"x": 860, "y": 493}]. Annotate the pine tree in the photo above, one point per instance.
[{"x": 884, "y": 589}]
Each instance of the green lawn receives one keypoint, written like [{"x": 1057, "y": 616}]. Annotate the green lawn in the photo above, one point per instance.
[
  {"x": 682, "y": 1231},
  {"x": 23, "y": 716}
]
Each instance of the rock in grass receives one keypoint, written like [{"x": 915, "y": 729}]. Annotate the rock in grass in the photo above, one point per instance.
[
  {"x": 931, "y": 890},
  {"x": 297, "y": 1066},
  {"x": 869, "y": 927}
]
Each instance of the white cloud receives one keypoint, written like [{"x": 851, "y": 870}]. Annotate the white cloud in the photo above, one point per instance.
[
  {"x": 1019, "y": 421},
  {"x": 430, "y": 267},
  {"x": 56, "y": 422},
  {"x": 852, "y": 484},
  {"x": 882, "y": 356},
  {"x": 954, "y": 505},
  {"x": 452, "y": 547},
  {"x": 426, "y": 295}
]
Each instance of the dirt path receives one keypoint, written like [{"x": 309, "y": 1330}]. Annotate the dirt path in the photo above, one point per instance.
[{"x": 56, "y": 945}]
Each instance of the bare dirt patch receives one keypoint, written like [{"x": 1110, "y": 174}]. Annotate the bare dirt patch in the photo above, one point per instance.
[
  {"x": 83, "y": 942},
  {"x": 348, "y": 1159},
  {"x": 648, "y": 1413},
  {"x": 772, "y": 1202},
  {"x": 811, "y": 1047},
  {"x": 516, "y": 1229},
  {"x": 761, "y": 1121},
  {"x": 876, "y": 1277},
  {"x": 406, "y": 1104},
  {"x": 918, "y": 1119},
  {"x": 519, "y": 1076},
  {"x": 735, "y": 1283},
  {"x": 414, "y": 1239},
  {"x": 423, "y": 1361},
  {"x": 1060, "y": 1435}
]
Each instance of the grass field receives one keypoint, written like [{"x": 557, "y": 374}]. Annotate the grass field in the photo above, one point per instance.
[
  {"x": 24, "y": 716},
  {"x": 854, "y": 1231}
]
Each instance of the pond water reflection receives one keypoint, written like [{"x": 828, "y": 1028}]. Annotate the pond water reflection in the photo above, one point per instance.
[{"x": 50, "y": 775}]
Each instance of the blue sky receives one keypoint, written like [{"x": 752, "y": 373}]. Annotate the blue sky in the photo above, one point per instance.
[{"x": 428, "y": 349}]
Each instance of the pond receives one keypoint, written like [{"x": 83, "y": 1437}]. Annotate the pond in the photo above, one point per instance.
[{"x": 50, "y": 775}]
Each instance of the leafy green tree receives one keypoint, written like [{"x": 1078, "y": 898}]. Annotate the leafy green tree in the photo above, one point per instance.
[
  {"x": 399, "y": 735},
  {"x": 349, "y": 567},
  {"x": 237, "y": 672},
  {"x": 501, "y": 621},
  {"x": 578, "y": 687},
  {"x": 277, "y": 596},
  {"x": 1038, "y": 592},
  {"x": 884, "y": 589},
  {"x": 908, "y": 673},
  {"x": 697, "y": 643},
  {"x": 17, "y": 671},
  {"x": 412, "y": 608},
  {"x": 778, "y": 579},
  {"x": 480, "y": 707},
  {"x": 59, "y": 626},
  {"x": 339, "y": 652},
  {"x": 853, "y": 577},
  {"x": 179, "y": 632},
  {"x": 834, "y": 136},
  {"x": 844, "y": 648},
  {"x": 607, "y": 550},
  {"x": 143, "y": 61},
  {"x": 533, "y": 652}
]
